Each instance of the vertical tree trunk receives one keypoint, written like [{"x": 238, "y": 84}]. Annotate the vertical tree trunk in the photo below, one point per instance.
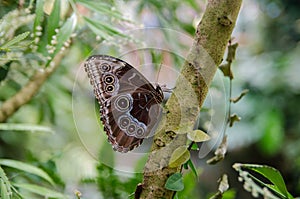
[{"x": 183, "y": 107}]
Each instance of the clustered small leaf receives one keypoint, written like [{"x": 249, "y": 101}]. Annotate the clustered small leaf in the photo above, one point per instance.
[
  {"x": 179, "y": 157},
  {"x": 198, "y": 136},
  {"x": 219, "y": 153},
  {"x": 175, "y": 182}
]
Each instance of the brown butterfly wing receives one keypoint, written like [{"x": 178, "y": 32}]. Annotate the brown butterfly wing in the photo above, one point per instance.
[{"x": 129, "y": 104}]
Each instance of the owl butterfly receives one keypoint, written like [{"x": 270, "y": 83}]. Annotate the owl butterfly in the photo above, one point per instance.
[{"x": 129, "y": 103}]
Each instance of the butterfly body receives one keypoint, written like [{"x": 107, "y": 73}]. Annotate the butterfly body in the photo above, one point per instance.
[{"x": 129, "y": 103}]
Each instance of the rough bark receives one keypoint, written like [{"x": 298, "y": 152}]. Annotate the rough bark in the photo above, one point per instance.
[{"x": 182, "y": 109}]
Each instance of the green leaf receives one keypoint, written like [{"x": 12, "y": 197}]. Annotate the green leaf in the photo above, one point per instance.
[
  {"x": 24, "y": 127},
  {"x": 195, "y": 147},
  {"x": 27, "y": 168},
  {"x": 3, "y": 190},
  {"x": 236, "y": 99},
  {"x": 189, "y": 185},
  {"x": 194, "y": 5},
  {"x": 5, "y": 184},
  {"x": 272, "y": 174},
  {"x": 230, "y": 194},
  {"x": 39, "y": 14},
  {"x": 185, "y": 165},
  {"x": 65, "y": 33},
  {"x": 47, "y": 193},
  {"x": 103, "y": 8},
  {"x": 198, "y": 136},
  {"x": 15, "y": 40},
  {"x": 179, "y": 157},
  {"x": 175, "y": 182},
  {"x": 104, "y": 30},
  {"x": 192, "y": 166},
  {"x": 97, "y": 30},
  {"x": 53, "y": 20}
]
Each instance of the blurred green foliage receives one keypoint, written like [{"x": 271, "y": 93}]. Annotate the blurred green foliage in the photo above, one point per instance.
[{"x": 267, "y": 64}]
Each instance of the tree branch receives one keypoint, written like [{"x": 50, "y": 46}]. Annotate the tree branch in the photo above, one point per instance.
[
  {"x": 22, "y": 97},
  {"x": 183, "y": 107}
]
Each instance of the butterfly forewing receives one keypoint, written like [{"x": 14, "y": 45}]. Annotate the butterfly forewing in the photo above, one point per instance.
[{"x": 129, "y": 104}]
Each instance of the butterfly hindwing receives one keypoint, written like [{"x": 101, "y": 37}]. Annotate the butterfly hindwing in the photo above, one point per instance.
[{"x": 129, "y": 104}]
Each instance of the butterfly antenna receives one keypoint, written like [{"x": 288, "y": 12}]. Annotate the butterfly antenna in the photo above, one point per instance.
[
  {"x": 165, "y": 89},
  {"x": 157, "y": 76},
  {"x": 163, "y": 86}
]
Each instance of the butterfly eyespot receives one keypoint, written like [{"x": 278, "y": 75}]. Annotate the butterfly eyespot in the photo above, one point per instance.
[
  {"x": 109, "y": 88},
  {"x": 129, "y": 103},
  {"x": 140, "y": 133},
  {"x": 131, "y": 129},
  {"x": 123, "y": 122},
  {"x": 123, "y": 103},
  {"x": 109, "y": 79},
  {"x": 105, "y": 67}
]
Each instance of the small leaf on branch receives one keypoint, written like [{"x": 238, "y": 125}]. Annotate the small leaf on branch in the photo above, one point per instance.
[
  {"x": 27, "y": 168},
  {"x": 192, "y": 166},
  {"x": 236, "y": 99},
  {"x": 226, "y": 69},
  {"x": 15, "y": 40},
  {"x": 179, "y": 157},
  {"x": 223, "y": 186},
  {"x": 53, "y": 21},
  {"x": 65, "y": 32},
  {"x": 231, "y": 52},
  {"x": 219, "y": 153},
  {"x": 198, "y": 136},
  {"x": 175, "y": 182},
  {"x": 223, "y": 183},
  {"x": 195, "y": 147},
  {"x": 234, "y": 118},
  {"x": 25, "y": 127}
]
